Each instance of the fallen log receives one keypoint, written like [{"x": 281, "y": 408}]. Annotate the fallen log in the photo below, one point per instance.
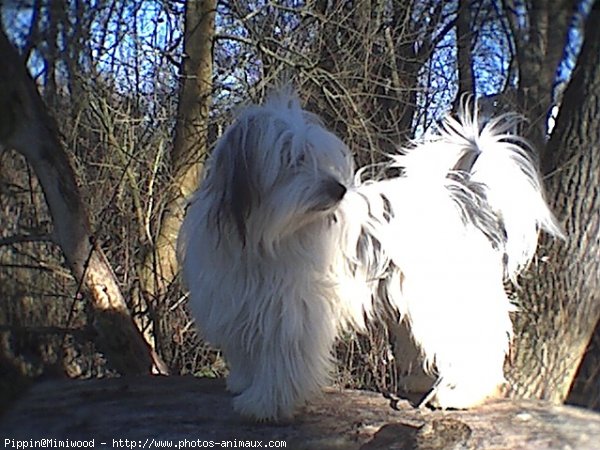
[{"x": 147, "y": 411}]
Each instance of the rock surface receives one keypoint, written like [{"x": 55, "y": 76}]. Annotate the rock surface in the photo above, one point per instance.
[{"x": 143, "y": 412}]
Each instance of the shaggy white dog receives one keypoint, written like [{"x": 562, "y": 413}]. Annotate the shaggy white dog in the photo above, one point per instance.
[{"x": 283, "y": 247}]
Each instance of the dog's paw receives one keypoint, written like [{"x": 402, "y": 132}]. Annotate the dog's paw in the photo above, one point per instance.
[
  {"x": 463, "y": 395},
  {"x": 260, "y": 406},
  {"x": 237, "y": 381}
]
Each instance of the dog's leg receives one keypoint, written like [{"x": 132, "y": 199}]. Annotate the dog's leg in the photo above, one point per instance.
[
  {"x": 472, "y": 377},
  {"x": 459, "y": 315},
  {"x": 240, "y": 370},
  {"x": 289, "y": 370},
  {"x": 468, "y": 346}
]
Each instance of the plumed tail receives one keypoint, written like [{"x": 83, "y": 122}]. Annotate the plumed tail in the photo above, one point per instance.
[
  {"x": 504, "y": 163},
  {"x": 493, "y": 176}
]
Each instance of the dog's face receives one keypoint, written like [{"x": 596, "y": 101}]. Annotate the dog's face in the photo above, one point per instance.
[{"x": 275, "y": 170}]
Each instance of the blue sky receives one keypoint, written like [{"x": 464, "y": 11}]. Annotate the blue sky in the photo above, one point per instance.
[{"x": 142, "y": 60}]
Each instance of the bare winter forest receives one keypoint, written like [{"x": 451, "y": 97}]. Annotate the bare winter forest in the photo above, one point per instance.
[{"x": 108, "y": 109}]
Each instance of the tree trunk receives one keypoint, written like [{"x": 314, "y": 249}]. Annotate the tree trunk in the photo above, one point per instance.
[
  {"x": 26, "y": 127},
  {"x": 561, "y": 292},
  {"x": 466, "y": 82},
  {"x": 539, "y": 47},
  {"x": 190, "y": 145}
]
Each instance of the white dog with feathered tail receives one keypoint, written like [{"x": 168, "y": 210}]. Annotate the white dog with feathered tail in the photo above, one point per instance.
[{"x": 283, "y": 247}]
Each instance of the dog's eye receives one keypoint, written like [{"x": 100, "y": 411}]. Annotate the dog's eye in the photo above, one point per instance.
[{"x": 299, "y": 160}]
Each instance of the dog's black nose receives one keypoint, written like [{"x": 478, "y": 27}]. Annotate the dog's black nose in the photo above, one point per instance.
[{"x": 336, "y": 190}]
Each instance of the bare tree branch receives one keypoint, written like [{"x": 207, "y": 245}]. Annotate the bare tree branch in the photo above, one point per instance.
[{"x": 29, "y": 130}]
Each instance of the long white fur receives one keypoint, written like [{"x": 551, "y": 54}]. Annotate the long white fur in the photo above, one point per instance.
[
  {"x": 282, "y": 249},
  {"x": 263, "y": 270},
  {"x": 453, "y": 271}
]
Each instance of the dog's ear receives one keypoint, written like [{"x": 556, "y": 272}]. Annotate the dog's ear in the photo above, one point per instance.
[
  {"x": 241, "y": 198},
  {"x": 234, "y": 158}
]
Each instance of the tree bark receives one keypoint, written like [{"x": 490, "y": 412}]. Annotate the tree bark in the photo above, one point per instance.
[
  {"x": 26, "y": 126},
  {"x": 190, "y": 144},
  {"x": 561, "y": 292},
  {"x": 466, "y": 82},
  {"x": 539, "y": 48}
]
